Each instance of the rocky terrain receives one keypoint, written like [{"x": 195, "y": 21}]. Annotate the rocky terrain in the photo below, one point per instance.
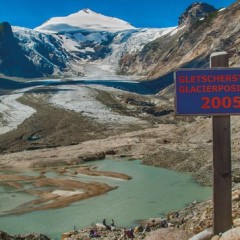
[{"x": 31, "y": 236}]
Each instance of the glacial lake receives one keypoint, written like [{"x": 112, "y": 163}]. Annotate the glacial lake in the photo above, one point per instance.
[{"x": 150, "y": 193}]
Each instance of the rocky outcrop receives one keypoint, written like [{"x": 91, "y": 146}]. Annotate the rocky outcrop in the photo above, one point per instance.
[
  {"x": 195, "y": 12},
  {"x": 232, "y": 234},
  {"x": 5, "y": 236},
  {"x": 31, "y": 236},
  {"x": 12, "y": 60}
]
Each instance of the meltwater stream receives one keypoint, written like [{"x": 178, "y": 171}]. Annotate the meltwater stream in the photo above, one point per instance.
[{"x": 150, "y": 193}]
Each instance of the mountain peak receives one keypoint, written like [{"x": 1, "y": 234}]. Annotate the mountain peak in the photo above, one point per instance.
[
  {"x": 5, "y": 29},
  {"x": 87, "y": 10},
  {"x": 195, "y": 11},
  {"x": 85, "y": 19}
]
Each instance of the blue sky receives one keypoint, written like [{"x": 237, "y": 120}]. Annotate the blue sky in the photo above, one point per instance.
[{"x": 140, "y": 13}]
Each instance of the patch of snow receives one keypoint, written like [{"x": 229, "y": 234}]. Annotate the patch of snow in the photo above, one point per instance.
[
  {"x": 69, "y": 43},
  {"x": 222, "y": 9},
  {"x": 87, "y": 49},
  {"x": 13, "y": 113},
  {"x": 176, "y": 30},
  {"x": 97, "y": 37},
  {"x": 65, "y": 193}
]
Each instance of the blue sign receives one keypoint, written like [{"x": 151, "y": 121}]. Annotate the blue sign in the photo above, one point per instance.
[{"x": 212, "y": 91}]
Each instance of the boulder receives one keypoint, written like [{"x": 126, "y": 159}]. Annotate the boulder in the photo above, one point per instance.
[
  {"x": 232, "y": 234},
  {"x": 236, "y": 195},
  {"x": 204, "y": 235},
  {"x": 67, "y": 235},
  {"x": 5, "y": 236},
  {"x": 216, "y": 237},
  {"x": 236, "y": 222}
]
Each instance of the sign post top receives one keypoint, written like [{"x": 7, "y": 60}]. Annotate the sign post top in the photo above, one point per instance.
[{"x": 217, "y": 54}]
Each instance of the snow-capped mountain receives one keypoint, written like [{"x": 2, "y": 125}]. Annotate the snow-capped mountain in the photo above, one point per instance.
[
  {"x": 85, "y": 19},
  {"x": 91, "y": 45},
  {"x": 82, "y": 44}
]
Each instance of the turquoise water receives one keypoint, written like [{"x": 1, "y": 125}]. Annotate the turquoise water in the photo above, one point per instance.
[{"x": 151, "y": 193}]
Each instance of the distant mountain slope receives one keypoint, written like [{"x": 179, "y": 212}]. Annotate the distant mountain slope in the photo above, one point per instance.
[{"x": 212, "y": 30}]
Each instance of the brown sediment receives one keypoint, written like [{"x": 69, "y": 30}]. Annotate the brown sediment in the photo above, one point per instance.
[
  {"x": 14, "y": 184},
  {"x": 91, "y": 171},
  {"x": 58, "y": 192},
  {"x": 12, "y": 177},
  {"x": 49, "y": 200}
]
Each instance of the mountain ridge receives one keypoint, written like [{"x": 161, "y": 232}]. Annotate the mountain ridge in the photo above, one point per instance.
[{"x": 191, "y": 47}]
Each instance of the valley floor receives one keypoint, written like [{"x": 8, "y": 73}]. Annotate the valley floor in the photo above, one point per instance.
[{"x": 65, "y": 126}]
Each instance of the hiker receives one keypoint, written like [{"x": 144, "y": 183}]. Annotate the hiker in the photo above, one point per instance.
[
  {"x": 105, "y": 224},
  {"x": 96, "y": 234},
  {"x": 164, "y": 223},
  {"x": 153, "y": 222},
  {"x": 112, "y": 223},
  {"x": 91, "y": 233},
  {"x": 147, "y": 228},
  {"x": 130, "y": 233}
]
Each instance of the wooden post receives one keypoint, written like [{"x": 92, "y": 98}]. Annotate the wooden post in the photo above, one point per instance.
[{"x": 222, "y": 179}]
